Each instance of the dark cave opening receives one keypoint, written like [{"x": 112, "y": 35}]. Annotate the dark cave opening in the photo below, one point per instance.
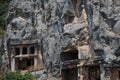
[
  {"x": 24, "y": 64},
  {"x": 70, "y": 73}
]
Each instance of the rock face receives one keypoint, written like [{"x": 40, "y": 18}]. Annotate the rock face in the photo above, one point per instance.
[
  {"x": 103, "y": 18},
  {"x": 88, "y": 28}
]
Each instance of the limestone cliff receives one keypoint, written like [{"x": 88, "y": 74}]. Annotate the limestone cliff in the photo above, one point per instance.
[{"x": 60, "y": 26}]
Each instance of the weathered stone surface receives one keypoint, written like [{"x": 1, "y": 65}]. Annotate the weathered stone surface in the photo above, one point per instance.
[
  {"x": 90, "y": 26},
  {"x": 105, "y": 29},
  {"x": 103, "y": 19}
]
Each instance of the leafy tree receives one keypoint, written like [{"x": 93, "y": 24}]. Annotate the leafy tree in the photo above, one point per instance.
[
  {"x": 3, "y": 13},
  {"x": 17, "y": 76}
]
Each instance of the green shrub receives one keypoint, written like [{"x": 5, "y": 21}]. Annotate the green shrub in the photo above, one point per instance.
[
  {"x": 17, "y": 76},
  {"x": 3, "y": 13}
]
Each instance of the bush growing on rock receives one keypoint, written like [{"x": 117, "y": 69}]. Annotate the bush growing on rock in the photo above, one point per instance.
[{"x": 17, "y": 76}]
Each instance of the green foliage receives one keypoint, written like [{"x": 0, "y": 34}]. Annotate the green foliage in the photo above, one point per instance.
[
  {"x": 2, "y": 51},
  {"x": 17, "y": 76},
  {"x": 3, "y": 13},
  {"x": 2, "y": 31}
]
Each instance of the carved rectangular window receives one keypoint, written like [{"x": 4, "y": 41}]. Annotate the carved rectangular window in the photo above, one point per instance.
[
  {"x": 17, "y": 51},
  {"x": 71, "y": 55},
  {"x": 24, "y": 51},
  {"x": 32, "y": 50}
]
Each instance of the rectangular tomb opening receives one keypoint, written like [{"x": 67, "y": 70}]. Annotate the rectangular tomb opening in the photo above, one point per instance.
[
  {"x": 69, "y": 65},
  {"x": 70, "y": 74},
  {"x": 94, "y": 72},
  {"x": 24, "y": 64},
  {"x": 115, "y": 73},
  {"x": 70, "y": 55},
  {"x": 27, "y": 57}
]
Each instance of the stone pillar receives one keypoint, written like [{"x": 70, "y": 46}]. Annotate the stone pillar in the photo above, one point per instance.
[
  {"x": 12, "y": 59},
  {"x": 81, "y": 75},
  {"x": 20, "y": 50},
  {"x": 13, "y": 64},
  {"x": 28, "y": 50},
  {"x": 105, "y": 73},
  {"x": 35, "y": 58}
]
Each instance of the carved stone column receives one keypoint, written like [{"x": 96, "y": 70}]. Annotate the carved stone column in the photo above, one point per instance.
[
  {"x": 35, "y": 58},
  {"x": 105, "y": 73},
  {"x": 28, "y": 50},
  {"x": 13, "y": 64},
  {"x": 12, "y": 59}
]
